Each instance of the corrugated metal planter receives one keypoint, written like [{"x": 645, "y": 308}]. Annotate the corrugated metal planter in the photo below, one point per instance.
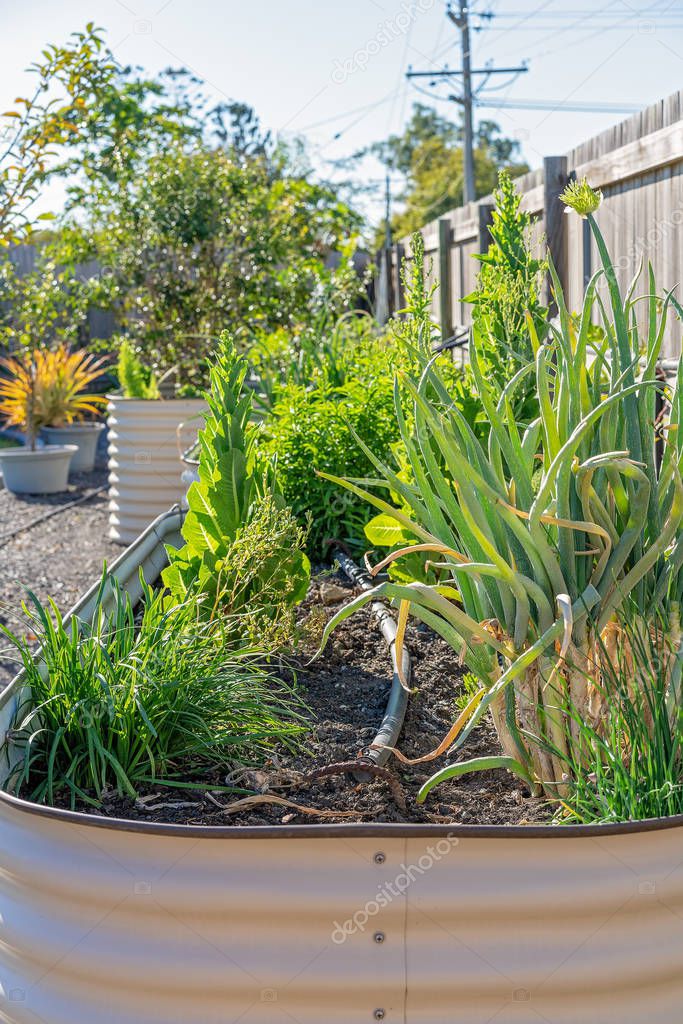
[
  {"x": 144, "y": 459},
  {"x": 111, "y": 922}
]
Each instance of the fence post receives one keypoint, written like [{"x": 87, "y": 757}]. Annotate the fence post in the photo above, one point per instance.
[
  {"x": 399, "y": 254},
  {"x": 485, "y": 221},
  {"x": 445, "y": 302},
  {"x": 389, "y": 278},
  {"x": 555, "y": 179},
  {"x": 384, "y": 286}
]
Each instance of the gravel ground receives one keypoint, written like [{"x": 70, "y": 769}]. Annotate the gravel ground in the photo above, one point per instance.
[{"x": 58, "y": 558}]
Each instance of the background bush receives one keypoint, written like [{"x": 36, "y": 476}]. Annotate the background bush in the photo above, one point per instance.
[{"x": 313, "y": 428}]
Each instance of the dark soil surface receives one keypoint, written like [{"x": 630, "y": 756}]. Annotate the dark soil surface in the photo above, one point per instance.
[
  {"x": 60, "y": 557},
  {"x": 347, "y": 690}
]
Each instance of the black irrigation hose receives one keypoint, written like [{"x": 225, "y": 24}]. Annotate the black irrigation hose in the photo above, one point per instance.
[
  {"x": 378, "y": 752},
  {"x": 5, "y": 538}
]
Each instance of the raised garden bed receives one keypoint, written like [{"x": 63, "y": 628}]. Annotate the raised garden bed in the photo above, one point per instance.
[{"x": 112, "y": 920}]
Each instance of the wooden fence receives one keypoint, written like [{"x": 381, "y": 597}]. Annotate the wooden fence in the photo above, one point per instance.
[
  {"x": 638, "y": 165},
  {"x": 101, "y": 323}
]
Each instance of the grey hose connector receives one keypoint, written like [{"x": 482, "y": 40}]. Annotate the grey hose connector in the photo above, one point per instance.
[{"x": 392, "y": 723}]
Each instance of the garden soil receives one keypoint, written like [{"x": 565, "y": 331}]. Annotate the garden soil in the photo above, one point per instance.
[{"x": 346, "y": 689}]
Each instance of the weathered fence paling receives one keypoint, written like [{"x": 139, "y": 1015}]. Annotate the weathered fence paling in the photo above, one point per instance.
[
  {"x": 445, "y": 302},
  {"x": 637, "y": 163}
]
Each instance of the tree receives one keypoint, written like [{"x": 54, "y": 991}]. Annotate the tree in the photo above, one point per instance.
[
  {"x": 206, "y": 240},
  {"x": 197, "y": 219},
  {"x": 132, "y": 117},
  {"x": 43, "y": 122},
  {"x": 430, "y": 155}
]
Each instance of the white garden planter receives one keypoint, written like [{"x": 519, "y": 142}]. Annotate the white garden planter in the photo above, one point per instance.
[
  {"x": 84, "y": 435},
  {"x": 43, "y": 471},
  {"x": 144, "y": 461},
  {"x": 113, "y": 922}
]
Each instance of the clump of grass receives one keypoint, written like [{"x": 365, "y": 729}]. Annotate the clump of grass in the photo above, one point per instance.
[
  {"x": 627, "y": 764},
  {"x": 114, "y": 706}
]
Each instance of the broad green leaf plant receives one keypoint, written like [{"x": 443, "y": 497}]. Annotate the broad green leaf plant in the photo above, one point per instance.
[
  {"x": 540, "y": 536},
  {"x": 243, "y": 548}
]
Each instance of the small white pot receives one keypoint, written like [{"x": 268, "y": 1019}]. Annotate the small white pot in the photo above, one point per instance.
[
  {"x": 44, "y": 471},
  {"x": 84, "y": 435}
]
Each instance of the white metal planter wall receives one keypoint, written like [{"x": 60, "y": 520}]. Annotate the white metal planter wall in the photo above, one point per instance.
[
  {"x": 144, "y": 463},
  {"x": 180, "y": 926},
  {"x": 105, "y": 922}
]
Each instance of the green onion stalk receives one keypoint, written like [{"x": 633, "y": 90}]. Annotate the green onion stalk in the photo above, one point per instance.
[{"x": 539, "y": 537}]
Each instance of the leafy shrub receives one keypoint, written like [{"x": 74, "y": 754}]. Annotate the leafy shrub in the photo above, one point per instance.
[
  {"x": 48, "y": 305},
  {"x": 135, "y": 380},
  {"x": 206, "y": 238},
  {"x": 263, "y": 574},
  {"x": 120, "y": 706},
  {"x": 508, "y": 291},
  {"x": 317, "y": 427},
  {"x": 337, "y": 405},
  {"x": 319, "y": 350}
]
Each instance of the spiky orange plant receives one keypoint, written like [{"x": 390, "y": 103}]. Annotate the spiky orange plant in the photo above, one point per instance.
[{"x": 45, "y": 387}]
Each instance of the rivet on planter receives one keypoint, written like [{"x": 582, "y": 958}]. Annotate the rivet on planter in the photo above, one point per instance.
[
  {"x": 379, "y": 937},
  {"x": 379, "y": 1013},
  {"x": 379, "y": 858}
]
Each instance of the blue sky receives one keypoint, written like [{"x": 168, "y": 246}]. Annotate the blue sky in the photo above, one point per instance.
[{"x": 320, "y": 68}]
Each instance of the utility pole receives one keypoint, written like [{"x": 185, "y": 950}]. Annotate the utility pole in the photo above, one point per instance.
[
  {"x": 462, "y": 21},
  {"x": 468, "y": 97}
]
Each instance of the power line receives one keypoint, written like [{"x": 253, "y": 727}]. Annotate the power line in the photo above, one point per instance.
[
  {"x": 527, "y": 17},
  {"x": 577, "y": 24},
  {"x": 587, "y": 13},
  {"x": 468, "y": 96},
  {"x": 448, "y": 73},
  {"x": 576, "y": 107},
  {"x": 366, "y": 108}
]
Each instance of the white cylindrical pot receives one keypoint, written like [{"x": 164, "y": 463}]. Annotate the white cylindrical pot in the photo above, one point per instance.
[
  {"x": 43, "y": 471},
  {"x": 84, "y": 435},
  {"x": 144, "y": 459}
]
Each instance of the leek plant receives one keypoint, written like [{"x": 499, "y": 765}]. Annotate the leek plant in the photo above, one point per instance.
[{"x": 541, "y": 534}]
